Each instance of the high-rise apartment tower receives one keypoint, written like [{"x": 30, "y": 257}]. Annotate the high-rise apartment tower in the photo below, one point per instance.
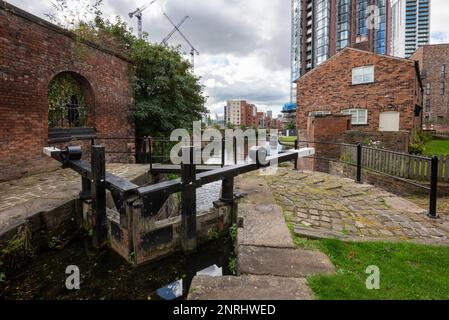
[
  {"x": 321, "y": 28},
  {"x": 410, "y": 26}
]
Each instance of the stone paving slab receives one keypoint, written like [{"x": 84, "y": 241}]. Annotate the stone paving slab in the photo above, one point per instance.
[
  {"x": 263, "y": 221},
  {"x": 263, "y": 225},
  {"x": 325, "y": 206},
  {"x": 282, "y": 262},
  {"x": 256, "y": 190},
  {"x": 22, "y": 198},
  {"x": 249, "y": 287}
]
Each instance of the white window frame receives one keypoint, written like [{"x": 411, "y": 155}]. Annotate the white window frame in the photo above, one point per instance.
[
  {"x": 363, "y": 75},
  {"x": 356, "y": 116}
]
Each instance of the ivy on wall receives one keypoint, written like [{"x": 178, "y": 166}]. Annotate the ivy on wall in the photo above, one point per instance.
[{"x": 63, "y": 91}]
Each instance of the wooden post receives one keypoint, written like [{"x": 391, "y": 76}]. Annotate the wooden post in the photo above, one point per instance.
[
  {"x": 188, "y": 201},
  {"x": 99, "y": 196},
  {"x": 227, "y": 190},
  {"x": 86, "y": 189},
  {"x": 296, "y": 148}
]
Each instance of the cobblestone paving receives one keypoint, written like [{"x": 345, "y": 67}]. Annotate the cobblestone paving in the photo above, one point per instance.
[
  {"x": 320, "y": 205},
  {"x": 54, "y": 184}
]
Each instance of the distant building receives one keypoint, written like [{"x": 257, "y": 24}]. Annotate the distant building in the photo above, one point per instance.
[
  {"x": 434, "y": 65},
  {"x": 239, "y": 112},
  {"x": 381, "y": 93},
  {"x": 270, "y": 114},
  {"x": 410, "y": 26},
  {"x": 289, "y": 113},
  {"x": 260, "y": 118}
]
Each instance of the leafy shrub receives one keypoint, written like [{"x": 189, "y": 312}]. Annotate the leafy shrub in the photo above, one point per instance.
[{"x": 416, "y": 148}]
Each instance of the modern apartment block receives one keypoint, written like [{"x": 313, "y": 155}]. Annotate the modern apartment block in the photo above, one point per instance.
[
  {"x": 239, "y": 112},
  {"x": 410, "y": 26},
  {"x": 321, "y": 28}
]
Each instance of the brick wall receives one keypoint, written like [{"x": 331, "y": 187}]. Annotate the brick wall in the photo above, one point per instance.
[
  {"x": 396, "y": 141},
  {"x": 329, "y": 88},
  {"x": 33, "y": 52},
  {"x": 436, "y": 103},
  {"x": 326, "y": 131}
]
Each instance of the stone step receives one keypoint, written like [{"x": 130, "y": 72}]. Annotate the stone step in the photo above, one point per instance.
[
  {"x": 263, "y": 225},
  {"x": 249, "y": 287},
  {"x": 282, "y": 262}
]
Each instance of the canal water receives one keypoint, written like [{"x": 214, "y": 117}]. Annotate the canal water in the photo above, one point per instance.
[{"x": 105, "y": 275}]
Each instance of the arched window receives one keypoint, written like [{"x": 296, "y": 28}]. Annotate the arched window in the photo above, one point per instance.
[{"x": 70, "y": 106}]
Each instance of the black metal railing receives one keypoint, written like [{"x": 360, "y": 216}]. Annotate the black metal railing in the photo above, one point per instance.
[{"x": 68, "y": 116}]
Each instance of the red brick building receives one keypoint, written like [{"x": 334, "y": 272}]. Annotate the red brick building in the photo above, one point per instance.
[
  {"x": 248, "y": 112},
  {"x": 381, "y": 93},
  {"x": 33, "y": 52},
  {"x": 434, "y": 65}
]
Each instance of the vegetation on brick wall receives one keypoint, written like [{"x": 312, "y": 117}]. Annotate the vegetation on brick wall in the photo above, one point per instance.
[
  {"x": 166, "y": 93},
  {"x": 61, "y": 91}
]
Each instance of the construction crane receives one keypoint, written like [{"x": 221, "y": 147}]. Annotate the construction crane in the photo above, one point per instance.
[
  {"x": 164, "y": 42},
  {"x": 138, "y": 14},
  {"x": 193, "y": 51}
]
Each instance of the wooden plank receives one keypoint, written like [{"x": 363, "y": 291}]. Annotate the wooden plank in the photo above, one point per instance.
[
  {"x": 387, "y": 162},
  {"x": 408, "y": 167},
  {"x": 392, "y": 164},
  {"x": 421, "y": 169},
  {"x": 447, "y": 168},
  {"x": 440, "y": 167},
  {"x": 412, "y": 167}
]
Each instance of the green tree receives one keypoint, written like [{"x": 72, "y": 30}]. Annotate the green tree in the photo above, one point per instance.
[
  {"x": 230, "y": 125},
  {"x": 290, "y": 125},
  {"x": 167, "y": 95}
]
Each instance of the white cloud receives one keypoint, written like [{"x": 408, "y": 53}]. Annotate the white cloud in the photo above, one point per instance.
[{"x": 439, "y": 21}]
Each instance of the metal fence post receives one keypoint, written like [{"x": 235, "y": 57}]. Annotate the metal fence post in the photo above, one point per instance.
[
  {"x": 143, "y": 149},
  {"x": 150, "y": 152},
  {"x": 359, "y": 163},
  {"x": 188, "y": 201},
  {"x": 223, "y": 152},
  {"x": 433, "y": 188},
  {"x": 99, "y": 196},
  {"x": 234, "y": 142}
]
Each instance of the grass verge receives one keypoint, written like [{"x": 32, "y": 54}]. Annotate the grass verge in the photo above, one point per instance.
[
  {"x": 407, "y": 271},
  {"x": 437, "y": 147}
]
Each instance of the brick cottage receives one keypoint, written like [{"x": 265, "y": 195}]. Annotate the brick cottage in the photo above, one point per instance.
[
  {"x": 33, "y": 52},
  {"x": 434, "y": 63},
  {"x": 380, "y": 93}
]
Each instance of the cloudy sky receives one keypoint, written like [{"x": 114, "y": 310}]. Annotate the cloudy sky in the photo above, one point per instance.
[{"x": 244, "y": 45}]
